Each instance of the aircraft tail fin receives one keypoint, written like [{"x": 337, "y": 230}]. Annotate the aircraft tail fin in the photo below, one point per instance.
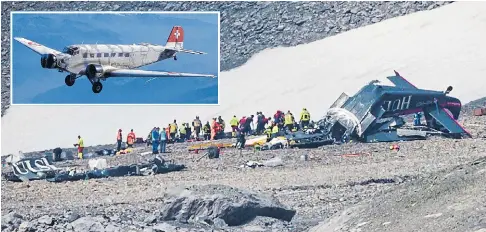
[{"x": 176, "y": 38}]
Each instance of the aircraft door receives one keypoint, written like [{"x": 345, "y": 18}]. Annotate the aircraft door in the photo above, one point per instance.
[{"x": 143, "y": 56}]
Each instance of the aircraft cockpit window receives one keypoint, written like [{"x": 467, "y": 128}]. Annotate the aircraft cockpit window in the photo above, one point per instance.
[{"x": 70, "y": 50}]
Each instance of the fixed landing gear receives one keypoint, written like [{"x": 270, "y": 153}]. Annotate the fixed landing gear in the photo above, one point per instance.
[
  {"x": 70, "y": 79},
  {"x": 175, "y": 57},
  {"x": 97, "y": 87}
]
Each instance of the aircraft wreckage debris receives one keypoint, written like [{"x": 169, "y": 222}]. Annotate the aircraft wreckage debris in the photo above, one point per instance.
[{"x": 29, "y": 169}]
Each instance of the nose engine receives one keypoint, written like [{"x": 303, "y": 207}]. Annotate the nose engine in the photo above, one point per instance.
[{"x": 49, "y": 61}]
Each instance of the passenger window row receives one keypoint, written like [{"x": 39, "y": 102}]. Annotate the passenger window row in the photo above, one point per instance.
[{"x": 98, "y": 55}]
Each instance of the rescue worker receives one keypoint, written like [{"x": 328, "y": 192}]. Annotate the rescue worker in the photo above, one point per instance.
[
  {"x": 188, "y": 131},
  {"x": 197, "y": 126},
  {"x": 163, "y": 140},
  {"x": 243, "y": 124},
  {"x": 260, "y": 123},
  {"x": 275, "y": 130},
  {"x": 222, "y": 124},
  {"x": 167, "y": 133},
  {"x": 173, "y": 130},
  {"x": 248, "y": 125},
  {"x": 268, "y": 132},
  {"x": 289, "y": 122},
  {"x": 214, "y": 129},
  {"x": 234, "y": 126},
  {"x": 295, "y": 127},
  {"x": 279, "y": 118},
  {"x": 416, "y": 119},
  {"x": 119, "y": 139},
  {"x": 149, "y": 137},
  {"x": 131, "y": 138},
  {"x": 240, "y": 139},
  {"x": 182, "y": 132},
  {"x": 155, "y": 141},
  {"x": 304, "y": 118},
  {"x": 80, "y": 146},
  {"x": 207, "y": 130}
]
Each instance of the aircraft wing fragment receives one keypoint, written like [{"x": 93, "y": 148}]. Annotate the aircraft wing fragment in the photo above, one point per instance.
[
  {"x": 38, "y": 48},
  {"x": 401, "y": 82},
  {"x": 153, "y": 74},
  {"x": 448, "y": 122}
]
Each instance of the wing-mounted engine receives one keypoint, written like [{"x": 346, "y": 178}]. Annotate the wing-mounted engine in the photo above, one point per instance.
[
  {"x": 94, "y": 71},
  {"x": 49, "y": 61}
]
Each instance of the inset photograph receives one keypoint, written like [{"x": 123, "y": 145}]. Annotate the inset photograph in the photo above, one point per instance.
[{"x": 114, "y": 57}]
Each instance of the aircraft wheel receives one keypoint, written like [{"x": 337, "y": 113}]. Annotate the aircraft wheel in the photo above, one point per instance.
[
  {"x": 175, "y": 57},
  {"x": 97, "y": 87},
  {"x": 69, "y": 80}
]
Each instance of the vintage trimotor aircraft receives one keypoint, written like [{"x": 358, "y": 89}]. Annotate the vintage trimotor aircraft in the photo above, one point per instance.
[
  {"x": 100, "y": 61},
  {"x": 373, "y": 114}
]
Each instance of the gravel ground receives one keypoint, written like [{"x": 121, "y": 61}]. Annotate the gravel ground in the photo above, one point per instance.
[
  {"x": 317, "y": 189},
  {"x": 246, "y": 27}
]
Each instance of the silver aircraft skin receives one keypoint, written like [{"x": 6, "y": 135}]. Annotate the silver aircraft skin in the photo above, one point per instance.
[{"x": 100, "y": 61}]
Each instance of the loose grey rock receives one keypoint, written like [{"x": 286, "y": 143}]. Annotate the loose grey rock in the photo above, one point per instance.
[
  {"x": 87, "y": 224},
  {"x": 47, "y": 220},
  {"x": 26, "y": 227},
  {"x": 164, "y": 227},
  {"x": 234, "y": 206},
  {"x": 12, "y": 218},
  {"x": 150, "y": 219},
  {"x": 112, "y": 228}
]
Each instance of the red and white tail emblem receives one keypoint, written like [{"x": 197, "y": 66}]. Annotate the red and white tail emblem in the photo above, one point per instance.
[{"x": 176, "y": 35}]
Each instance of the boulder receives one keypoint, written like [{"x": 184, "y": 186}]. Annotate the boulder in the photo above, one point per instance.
[{"x": 209, "y": 202}]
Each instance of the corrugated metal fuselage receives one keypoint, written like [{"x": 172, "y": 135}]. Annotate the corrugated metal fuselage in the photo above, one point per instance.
[{"x": 115, "y": 55}]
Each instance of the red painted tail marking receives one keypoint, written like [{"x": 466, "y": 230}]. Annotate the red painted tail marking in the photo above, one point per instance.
[{"x": 176, "y": 35}]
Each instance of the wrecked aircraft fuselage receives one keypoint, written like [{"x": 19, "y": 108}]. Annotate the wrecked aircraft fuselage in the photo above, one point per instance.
[{"x": 374, "y": 114}]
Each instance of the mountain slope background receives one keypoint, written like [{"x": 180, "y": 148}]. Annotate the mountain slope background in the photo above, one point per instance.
[
  {"x": 246, "y": 27},
  {"x": 32, "y": 84},
  {"x": 289, "y": 78}
]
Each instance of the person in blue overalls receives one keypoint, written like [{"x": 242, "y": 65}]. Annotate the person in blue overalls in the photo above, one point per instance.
[
  {"x": 163, "y": 141},
  {"x": 155, "y": 141},
  {"x": 416, "y": 119}
]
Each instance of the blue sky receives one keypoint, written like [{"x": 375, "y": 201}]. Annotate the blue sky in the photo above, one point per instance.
[{"x": 34, "y": 85}]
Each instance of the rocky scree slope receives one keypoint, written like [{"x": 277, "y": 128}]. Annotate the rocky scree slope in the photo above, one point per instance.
[{"x": 246, "y": 27}]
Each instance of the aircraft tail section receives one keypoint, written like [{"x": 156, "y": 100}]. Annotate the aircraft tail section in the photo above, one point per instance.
[
  {"x": 401, "y": 82},
  {"x": 176, "y": 38}
]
